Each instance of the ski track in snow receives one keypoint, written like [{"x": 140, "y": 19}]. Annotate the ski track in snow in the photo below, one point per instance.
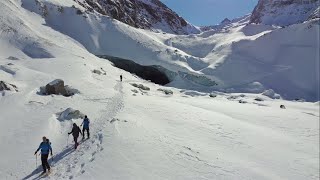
[{"x": 71, "y": 163}]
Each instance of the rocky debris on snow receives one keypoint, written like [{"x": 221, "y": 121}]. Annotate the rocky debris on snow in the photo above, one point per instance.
[
  {"x": 114, "y": 120},
  {"x": 193, "y": 93},
  {"x": 140, "y": 86},
  {"x": 242, "y": 101},
  {"x": 57, "y": 87},
  {"x": 166, "y": 91},
  {"x": 232, "y": 97},
  {"x": 7, "y": 87},
  {"x": 13, "y": 58},
  {"x": 282, "y": 107},
  {"x": 99, "y": 72},
  {"x": 135, "y": 91},
  {"x": 258, "y": 99},
  {"x": 69, "y": 114},
  {"x": 271, "y": 94}
]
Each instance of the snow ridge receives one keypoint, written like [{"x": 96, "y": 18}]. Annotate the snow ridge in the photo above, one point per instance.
[{"x": 283, "y": 12}]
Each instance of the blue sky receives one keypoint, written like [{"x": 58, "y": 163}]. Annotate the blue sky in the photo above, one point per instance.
[{"x": 210, "y": 12}]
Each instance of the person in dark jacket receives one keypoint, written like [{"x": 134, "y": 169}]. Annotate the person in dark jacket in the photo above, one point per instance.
[
  {"x": 75, "y": 133},
  {"x": 85, "y": 124},
  {"x": 121, "y": 77},
  {"x": 45, "y": 148}
]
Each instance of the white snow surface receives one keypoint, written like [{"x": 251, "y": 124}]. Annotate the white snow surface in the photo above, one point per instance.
[
  {"x": 234, "y": 56},
  {"x": 149, "y": 135}
]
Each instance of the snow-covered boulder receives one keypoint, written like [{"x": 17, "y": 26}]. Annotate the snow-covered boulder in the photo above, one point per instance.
[
  {"x": 57, "y": 87},
  {"x": 141, "y": 86},
  {"x": 69, "y": 114},
  {"x": 166, "y": 91},
  {"x": 213, "y": 95},
  {"x": 7, "y": 87},
  {"x": 99, "y": 72},
  {"x": 271, "y": 94}
]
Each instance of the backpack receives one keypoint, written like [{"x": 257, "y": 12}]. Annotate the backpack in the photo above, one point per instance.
[{"x": 48, "y": 141}]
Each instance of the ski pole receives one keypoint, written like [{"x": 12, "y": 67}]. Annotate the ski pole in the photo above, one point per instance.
[
  {"x": 68, "y": 140},
  {"x": 37, "y": 161}
]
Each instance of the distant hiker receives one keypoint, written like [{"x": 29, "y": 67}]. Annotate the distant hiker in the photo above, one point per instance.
[
  {"x": 75, "y": 133},
  {"x": 45, "y": 147},
  {"x": 85, "y": 124},
  {"x": 121, "y": 77},
  {"x": 282, "y": 107}
]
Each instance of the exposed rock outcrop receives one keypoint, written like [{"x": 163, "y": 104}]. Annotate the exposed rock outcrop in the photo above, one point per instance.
[
  {"x": 57, "y": 87},
  {"x": 284, "y": 12},
  {"x": 145, "y": 14},
  {"x": 4, "y": 86}
]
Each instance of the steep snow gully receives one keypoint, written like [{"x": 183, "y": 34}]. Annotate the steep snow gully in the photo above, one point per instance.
[{"x": 69, "y": 163}]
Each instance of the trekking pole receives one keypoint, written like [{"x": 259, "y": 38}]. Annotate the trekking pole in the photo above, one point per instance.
[
  {"x": 37, "y": 161},
  {"x": 68, "y": 140}
]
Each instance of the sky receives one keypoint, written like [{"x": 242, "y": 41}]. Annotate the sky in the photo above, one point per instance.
[{"x": 210, "y": 12}]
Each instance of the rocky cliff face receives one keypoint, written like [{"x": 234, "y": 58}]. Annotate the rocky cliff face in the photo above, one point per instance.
[
  {"x": 283, "y": 12},
  {"x": 145, "y": 14}
]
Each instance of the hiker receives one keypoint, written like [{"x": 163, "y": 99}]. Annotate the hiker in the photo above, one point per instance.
[
  {"x": 85, "y": 124},
  {"x": 75, "y": 133},
  {"x": 121, "y": 77},
  {"x": 45, "y": 147}
]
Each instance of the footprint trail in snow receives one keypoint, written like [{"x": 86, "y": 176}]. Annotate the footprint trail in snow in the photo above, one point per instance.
[{"x": 71, "y": 163}]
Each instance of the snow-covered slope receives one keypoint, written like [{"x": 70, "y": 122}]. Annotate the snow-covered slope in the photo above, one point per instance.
[
  {"x": 145, "y": 14},
  {"x": 203, "y": 61},
  {"x": 227, "y": 23},
  {"x": 138, "y": 134},
  {"x": 283, "y": 12}
]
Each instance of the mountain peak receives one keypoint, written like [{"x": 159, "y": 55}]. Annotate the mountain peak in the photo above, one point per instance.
[
  {"x": 144, "y": 14},
  {"x": 226, "y": 21}
]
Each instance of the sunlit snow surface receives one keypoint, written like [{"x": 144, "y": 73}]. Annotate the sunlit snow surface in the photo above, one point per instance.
[{"x": 150, "y": 135}]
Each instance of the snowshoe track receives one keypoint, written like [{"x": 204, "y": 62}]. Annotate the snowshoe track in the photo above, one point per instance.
[{"x": 73, "y": 162}]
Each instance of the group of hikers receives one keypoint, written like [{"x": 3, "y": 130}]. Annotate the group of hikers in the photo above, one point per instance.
[
  {"x": 46, "y": 149},
  {"x": 45, "y": 146}
]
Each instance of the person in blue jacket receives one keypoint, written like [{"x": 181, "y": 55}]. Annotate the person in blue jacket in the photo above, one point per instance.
[
  {"x": 45, "y": 148},
  {"x": 85, "y": 124}
]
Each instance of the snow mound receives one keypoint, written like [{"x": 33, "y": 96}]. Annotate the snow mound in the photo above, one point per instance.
[
  {"x": 271, "y": 94},
  {"x": 70, "y": 114}
]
